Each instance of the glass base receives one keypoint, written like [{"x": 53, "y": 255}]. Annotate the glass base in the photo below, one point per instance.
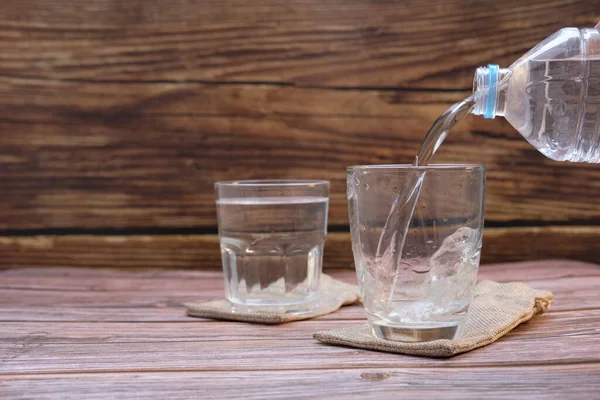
[
  {"x": 294, "y": 308},
  {"x": 416, "y": 333}
]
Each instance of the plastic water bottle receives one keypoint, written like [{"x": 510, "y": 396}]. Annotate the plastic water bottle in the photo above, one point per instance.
[{"x": 551, "y": 95}]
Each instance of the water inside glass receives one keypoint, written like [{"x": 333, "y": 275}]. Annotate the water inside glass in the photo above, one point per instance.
[{"x": 272, "y": 240}]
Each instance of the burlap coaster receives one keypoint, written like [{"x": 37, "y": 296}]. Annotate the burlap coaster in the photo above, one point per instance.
[
  {"x": 495, "y": 310},
  {"x": 332, "y": 295}
]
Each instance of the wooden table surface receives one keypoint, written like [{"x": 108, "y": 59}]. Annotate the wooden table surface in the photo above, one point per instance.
[{"x": 94, "y": 333}]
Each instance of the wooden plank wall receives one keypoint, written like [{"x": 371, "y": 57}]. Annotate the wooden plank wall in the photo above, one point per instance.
[{"x": 118, "y": 115}]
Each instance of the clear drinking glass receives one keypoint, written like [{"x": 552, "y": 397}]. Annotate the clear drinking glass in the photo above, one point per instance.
[
  {"x": 272, "y": 234},
  {"x": 416, "y": 239}
]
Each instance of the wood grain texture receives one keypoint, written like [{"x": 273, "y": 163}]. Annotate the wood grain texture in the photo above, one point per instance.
[
  {"x": 139, "y": 252},
  {"x": 28, "y": 356},
  {"x": 208, "y": 332},
  {"x": 105, "y": 296},
  {"x": 78, "y": 351},
  {"x": 538, "y": 382},
  {"x": 148, "y": 156},
  {"x": 118, "y": 116},
  {"x": 335, "y": 43}
]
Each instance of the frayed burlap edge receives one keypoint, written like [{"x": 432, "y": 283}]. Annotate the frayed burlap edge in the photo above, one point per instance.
[
  {"x": 496, "y": 309},
  {"x": 333, "y": 294}
]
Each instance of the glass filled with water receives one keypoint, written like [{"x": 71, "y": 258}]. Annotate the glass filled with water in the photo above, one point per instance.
[
  {"x": 416, "y": 239},
  {"x": 272, "y": 234}
]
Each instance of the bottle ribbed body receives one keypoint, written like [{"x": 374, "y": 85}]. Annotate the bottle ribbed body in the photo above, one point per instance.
[{"x": 551, "y": 95}]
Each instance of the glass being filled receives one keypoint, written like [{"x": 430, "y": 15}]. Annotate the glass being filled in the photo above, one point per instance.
[
  {"x": 272, "y": 234},
  {"x": 416, "y": 270}
]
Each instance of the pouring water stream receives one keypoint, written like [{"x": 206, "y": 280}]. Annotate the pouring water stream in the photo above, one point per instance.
[{"x": 391, "y": 241}]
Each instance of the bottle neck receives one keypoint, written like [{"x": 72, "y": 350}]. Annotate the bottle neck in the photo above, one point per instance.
[{"x": 489, "y": 91}]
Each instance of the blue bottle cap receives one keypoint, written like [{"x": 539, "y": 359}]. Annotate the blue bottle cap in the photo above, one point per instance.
[{"x": 492, "y": 83}]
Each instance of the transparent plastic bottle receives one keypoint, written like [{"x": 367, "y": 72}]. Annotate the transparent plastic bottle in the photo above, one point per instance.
[{"x": 551, "y": 95}]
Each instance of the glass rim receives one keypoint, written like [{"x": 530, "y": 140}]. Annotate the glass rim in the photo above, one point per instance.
[
  {"x": 274, "y": 183},
  {"x": 407, "y": 167}
]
